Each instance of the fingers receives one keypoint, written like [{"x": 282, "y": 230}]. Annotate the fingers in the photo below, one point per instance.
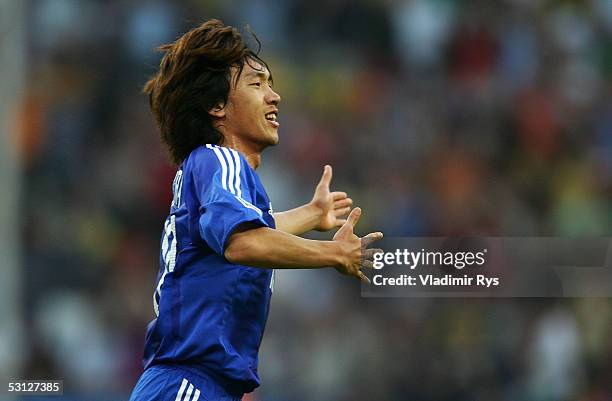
[
  {"x": 366, "y": 258},
  {"x": 340, "y": 212},
  {"x": 370, "y": 252},
  {"x": 336, "y": 196},
  {"x": 327, "y": 176},
  {"x": 342, "y": 202},
  {"x": 362, "y": 277},
  {"x": 371, "y": 237},
  {"x": 357, "y": 273}
]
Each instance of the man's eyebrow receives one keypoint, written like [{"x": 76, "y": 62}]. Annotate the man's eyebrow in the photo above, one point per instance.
[{"x": 261, "y": 74}]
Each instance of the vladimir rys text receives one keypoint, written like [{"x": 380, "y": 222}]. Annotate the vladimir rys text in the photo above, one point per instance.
[{"x": 432, "y": 259}]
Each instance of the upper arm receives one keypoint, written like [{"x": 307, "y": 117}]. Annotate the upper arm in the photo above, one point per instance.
[
  {"x": 224, "y": 197},
  {"x": 241, "y": 240}
]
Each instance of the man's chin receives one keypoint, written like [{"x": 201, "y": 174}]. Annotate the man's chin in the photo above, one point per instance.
[
  {"x": 268, "y": 141},
  {"x": 273, "y": 139}
]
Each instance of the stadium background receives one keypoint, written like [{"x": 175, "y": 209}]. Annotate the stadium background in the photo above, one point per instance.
[{"x": 439, "y": 117}]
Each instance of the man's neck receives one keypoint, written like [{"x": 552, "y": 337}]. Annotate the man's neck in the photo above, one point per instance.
[
  {"x": 251, "y": 152},
  {"x": 254, "y": 159}
]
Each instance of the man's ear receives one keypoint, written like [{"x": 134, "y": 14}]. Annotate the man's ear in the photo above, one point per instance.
[{"x": 218, "y": 110}]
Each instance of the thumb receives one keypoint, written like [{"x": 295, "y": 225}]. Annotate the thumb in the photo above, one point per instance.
[
  {"x": 353, "y": 218},
  {"x": 327, "y": 176},
  {"x": 349, "y": 225}
]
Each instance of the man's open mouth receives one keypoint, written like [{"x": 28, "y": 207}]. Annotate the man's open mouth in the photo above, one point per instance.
[{"x": 272, "y": 116}]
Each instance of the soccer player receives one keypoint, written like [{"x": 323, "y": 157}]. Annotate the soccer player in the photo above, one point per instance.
[{"x": 214, "y": 103}]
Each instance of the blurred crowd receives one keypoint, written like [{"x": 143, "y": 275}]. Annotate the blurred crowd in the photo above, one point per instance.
[{"x": 439, "y": 117}]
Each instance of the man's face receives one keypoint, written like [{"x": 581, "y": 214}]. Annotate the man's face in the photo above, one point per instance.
[{"x": 252, "y": 107}]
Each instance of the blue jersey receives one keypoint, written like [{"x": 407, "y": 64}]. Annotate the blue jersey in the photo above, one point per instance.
[{"x": 211, "y": 313}]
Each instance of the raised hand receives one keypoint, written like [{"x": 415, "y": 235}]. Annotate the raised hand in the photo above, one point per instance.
[
  {"x": 355, "y": 251},
  {"x": 331, "y": 206}
]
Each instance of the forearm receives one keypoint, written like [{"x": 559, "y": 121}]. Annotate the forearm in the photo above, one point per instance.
[
  {"x": 299, "y": 220},
  {"x": 270, "y": 248}
]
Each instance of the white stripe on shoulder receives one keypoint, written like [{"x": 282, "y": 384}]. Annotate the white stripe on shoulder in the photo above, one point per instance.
[
  {"x": 196, "y": 395},
  {"x": 215, "y": 148},
  {"x": 188, "y": 393},
  {"x": 230, "y": 162},
  {"x": 238, "y": 163},
  {"x": 179, "y": 395}
]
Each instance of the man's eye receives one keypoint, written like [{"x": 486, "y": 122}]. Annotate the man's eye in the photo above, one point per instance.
[{"x": 256, "y": 83}]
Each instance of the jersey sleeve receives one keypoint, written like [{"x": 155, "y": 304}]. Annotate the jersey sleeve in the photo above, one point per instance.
[{"x": 224, "y": 196}]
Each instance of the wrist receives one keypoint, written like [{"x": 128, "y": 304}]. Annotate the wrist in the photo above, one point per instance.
[
  {"x": 336, "y": 254},
  {"x": 313, "y": 210},
  {"x": 315, "y": 214}
]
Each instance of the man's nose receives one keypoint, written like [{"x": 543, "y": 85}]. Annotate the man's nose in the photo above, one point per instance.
[{"x": 273, "y": 97}]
